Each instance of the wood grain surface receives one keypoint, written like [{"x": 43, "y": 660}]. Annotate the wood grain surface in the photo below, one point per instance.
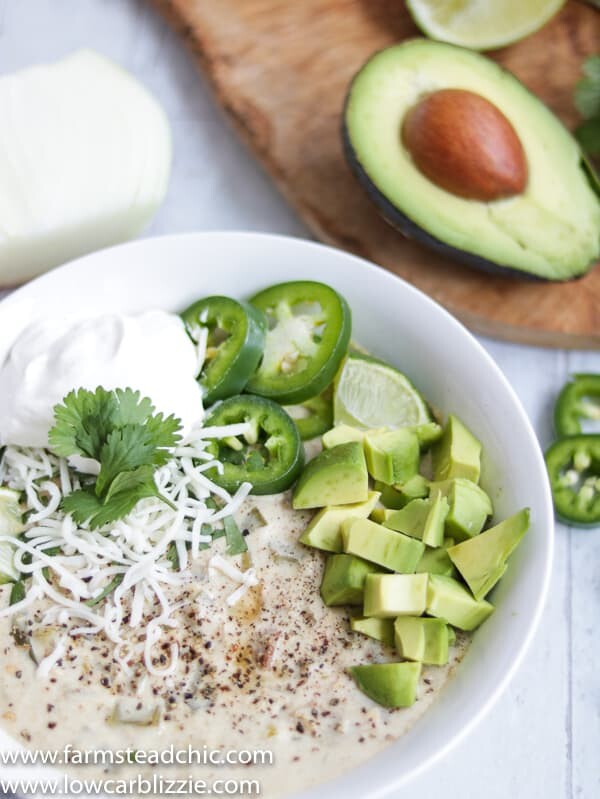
[{"x": 281, "y": 70}]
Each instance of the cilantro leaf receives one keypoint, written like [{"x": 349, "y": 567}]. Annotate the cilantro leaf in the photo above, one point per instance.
[
  {"x": 587, "y": 90},
  {"x": 235, "y": 540},
  {"x": 82, "y": 421},
  {"x": 120, "y": 430}
]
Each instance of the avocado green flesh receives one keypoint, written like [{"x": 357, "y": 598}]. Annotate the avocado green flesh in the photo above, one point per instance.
[
  {"x": 344, "y": 579},
  {"x": 375, "y": 543},
  {"x": 389, "y": 684},
  {"x": 482, "y": 560},
  {"x": 337, "y": 476},
  {"x": 550, "y": 231},
  {"x": 325, "y": 529}
]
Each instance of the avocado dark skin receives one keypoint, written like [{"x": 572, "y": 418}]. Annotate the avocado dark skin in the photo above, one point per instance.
[
  {"x": 411, "y": 230},
  {"x": 462, "y": 145}
]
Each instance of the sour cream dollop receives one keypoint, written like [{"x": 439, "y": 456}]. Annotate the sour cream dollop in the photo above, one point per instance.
[{"x": 149, "y": 352}]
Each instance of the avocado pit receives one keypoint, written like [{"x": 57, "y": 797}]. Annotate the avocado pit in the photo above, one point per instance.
[{"x": 465, "y": 145}]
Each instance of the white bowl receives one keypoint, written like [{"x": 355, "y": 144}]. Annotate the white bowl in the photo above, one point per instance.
[{"x": 403, "y": 326}]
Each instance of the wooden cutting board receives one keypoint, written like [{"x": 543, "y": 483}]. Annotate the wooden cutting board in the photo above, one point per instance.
[{"x": 281, "y": 68}]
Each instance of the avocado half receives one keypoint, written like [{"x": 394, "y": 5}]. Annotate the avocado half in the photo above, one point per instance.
[{"x": 551, "y": 231}]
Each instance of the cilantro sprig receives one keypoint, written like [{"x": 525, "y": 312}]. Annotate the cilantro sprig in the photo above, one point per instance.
[{"x": 121, "y": 431}]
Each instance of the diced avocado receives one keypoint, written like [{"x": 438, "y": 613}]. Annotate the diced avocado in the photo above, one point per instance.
[
  {"x": 433, "y": 534},
  {"x": 380, "y": 629},
  {"x": 457, "y": 453},
  {"x": 427, "y": 433},
  {"x": 399, "y": 495},
  {"x": 411, "y": 519},
  {"x": 448, "y": 599},
  {"x": 421, "y": 518},
  {"x": 422, "y": 639},
  {"x": 451, "y": 635},
  {"x": 342, "y": 434},
  {"x": 390, "y": 595},
  {"x": 437, "y": 561},
  {"x": 389, "y": 684},
  {"x": 482, "y": 560},
  {"x": 337, "y": 476},
  {"x": 380, "y": 515},
  {"x": 344, "y": 580},
  {"x": 325, "y": 529},
  {"x": 371, "y": 541},
  {"x": 392, "y": 455},
  {"x": 11, "y": 524},
  {"x": 469, "y": 505}
]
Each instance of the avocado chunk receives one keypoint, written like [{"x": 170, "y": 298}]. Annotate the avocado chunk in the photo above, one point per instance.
[
  {"x": 341, "y": 434},
  {"x": 337, "y": 476},
  {"x": 371, "y": 541},
  {"x": 422, "y": 639},
  {"x": 344, "y": 580},
  {"x": 469, "y": 507},
  {"x": 451, "y": 636},
  {"x": 437, "y": 561},
  {"x": 380, "y": 515},
  {"x": 421, "y": 518},
  {"x": 380, "y": 629},
  {"x": 398, "y": 495},
  {"x": 427, "y": 433},
  {"x": 457, "y": 453},
  {"x": 392, "y": 455},
  {"x": 325, "y": 528},
  {"x": 550, "y": 230},
  {"x": 482, "y": 560},
  {"x": 390, "y": 595},
  {"x": 389, "y": 684},
  {"x": 448, "y": 599}
]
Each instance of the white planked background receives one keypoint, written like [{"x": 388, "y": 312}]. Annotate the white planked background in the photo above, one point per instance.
[{"x": 543, "y": 738}]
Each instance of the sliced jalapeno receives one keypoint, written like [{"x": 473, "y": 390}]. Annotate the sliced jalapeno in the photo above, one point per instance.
[
  {"x": 270, "y": 455},
  {"x": 235, "y": 343},
  {"x": 578, "y": 400},
  {"x": 309, "y": 327},
  {"x": 313, "y": 417},
  {"x": 574, "y": 470}
]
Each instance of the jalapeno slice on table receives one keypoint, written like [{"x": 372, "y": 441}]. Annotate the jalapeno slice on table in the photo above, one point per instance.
[
  {"x": 574, "y": 470},
  {"x": 309, "y": 327},
  {"x": 235, "y": 341},
  {"x": 578, "y": 400},
  {"x": 269, "y": 455}
]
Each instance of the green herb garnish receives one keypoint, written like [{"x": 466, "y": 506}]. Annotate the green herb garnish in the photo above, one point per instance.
[
  {"x": 17, "y": 593},
  {"x": 235, "y": 540},
  {"x": 122, "y": 432},
  {"x": 108, "y": 589}
]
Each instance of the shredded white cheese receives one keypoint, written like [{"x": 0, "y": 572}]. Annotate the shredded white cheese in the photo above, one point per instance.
[{"x": 134, "y": 549}]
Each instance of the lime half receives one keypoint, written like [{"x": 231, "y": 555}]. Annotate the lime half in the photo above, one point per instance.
[
  {"x": 481, "y": 24},
  {"x": 370, "y": 394}
]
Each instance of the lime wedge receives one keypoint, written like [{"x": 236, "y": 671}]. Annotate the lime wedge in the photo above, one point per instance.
[
  {"x": 481, "y": 24},
  {"x": 370, "y": 394}
]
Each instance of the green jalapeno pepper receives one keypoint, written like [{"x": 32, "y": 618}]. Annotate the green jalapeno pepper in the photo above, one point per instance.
[
  {"x": 574, "y": 470},
  {"x": 313, "y": 417},
  {"x": 235, "y": 343},
  {"x": 309, "y": 328},
  {"x": 269, "y": 455},
  {"x": 579, "y": 399}
]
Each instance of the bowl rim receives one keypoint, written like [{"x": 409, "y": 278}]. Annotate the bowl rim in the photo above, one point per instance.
[{"x": 534, "y": 614}]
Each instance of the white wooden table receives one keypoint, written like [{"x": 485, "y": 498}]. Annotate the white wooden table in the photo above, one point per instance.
[{"x": 542, "y": 740}]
